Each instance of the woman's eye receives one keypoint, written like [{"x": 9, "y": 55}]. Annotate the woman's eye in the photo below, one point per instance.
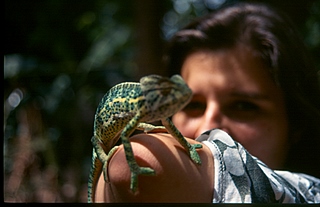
[
  {"x": 195, "y": 109},
  {"x": 245, "y": 106},
  {"x": 242, "y": 110}
]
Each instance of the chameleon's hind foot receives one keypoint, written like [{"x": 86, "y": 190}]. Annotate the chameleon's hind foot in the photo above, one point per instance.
[
  {"x": 105, "y": 163},
  {"x": 194, "y": 154},
  {"x": 134, "y": 176}
]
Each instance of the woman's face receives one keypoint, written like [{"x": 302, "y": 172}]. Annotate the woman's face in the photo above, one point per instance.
[{"x": 234, "y": 92}]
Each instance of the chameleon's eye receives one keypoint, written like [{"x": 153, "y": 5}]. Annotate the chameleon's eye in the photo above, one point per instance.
[{"x": 165, "y": 91}]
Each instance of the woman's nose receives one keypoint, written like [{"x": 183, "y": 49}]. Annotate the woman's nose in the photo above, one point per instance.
[{"x": 212, "y": 118}]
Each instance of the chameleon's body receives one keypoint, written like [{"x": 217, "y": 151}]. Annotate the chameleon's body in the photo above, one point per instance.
[{"x": 126, "y": 107}]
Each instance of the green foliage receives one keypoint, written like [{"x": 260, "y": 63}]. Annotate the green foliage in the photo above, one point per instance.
[{"x": 312, "y": 32}]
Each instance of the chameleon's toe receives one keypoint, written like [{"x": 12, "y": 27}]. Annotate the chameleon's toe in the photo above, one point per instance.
[
  {"x": 194, "y": 154},
  {"x": 134, "y": 176}
]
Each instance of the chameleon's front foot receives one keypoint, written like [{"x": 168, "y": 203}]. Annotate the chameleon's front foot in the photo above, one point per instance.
[
  {"x": 194, "y": 154},
  {"x": 134, "y": 176}
]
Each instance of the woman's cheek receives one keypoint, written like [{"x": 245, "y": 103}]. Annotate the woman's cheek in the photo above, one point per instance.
[{"x": 242, "y": 132}]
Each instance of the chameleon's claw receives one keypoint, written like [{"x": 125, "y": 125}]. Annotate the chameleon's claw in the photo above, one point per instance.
[
  {"x": 194, "y": 154},
  {"x": 134, "y": 176}
]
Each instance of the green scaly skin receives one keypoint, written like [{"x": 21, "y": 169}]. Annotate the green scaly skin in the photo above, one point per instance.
[{"x": 126, "y": 107}]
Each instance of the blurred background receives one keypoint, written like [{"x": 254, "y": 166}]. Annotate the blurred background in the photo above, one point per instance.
[{"x": 61, "y": 57}]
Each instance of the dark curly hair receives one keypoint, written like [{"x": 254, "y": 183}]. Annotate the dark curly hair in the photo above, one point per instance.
[{"x": 274, "y": 38}]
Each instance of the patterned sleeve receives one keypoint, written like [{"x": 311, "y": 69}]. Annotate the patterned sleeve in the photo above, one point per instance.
[{"x": 242, "y": 178}]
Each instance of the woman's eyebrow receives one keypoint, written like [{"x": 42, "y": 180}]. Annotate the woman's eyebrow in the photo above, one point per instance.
[{"x": 249, "y": 95}]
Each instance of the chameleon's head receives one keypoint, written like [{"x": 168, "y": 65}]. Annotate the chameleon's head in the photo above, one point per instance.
[{"x": 165, "y": 95}]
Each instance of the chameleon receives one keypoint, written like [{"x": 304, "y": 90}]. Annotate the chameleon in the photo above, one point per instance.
[{"x": 129, "y": 106}]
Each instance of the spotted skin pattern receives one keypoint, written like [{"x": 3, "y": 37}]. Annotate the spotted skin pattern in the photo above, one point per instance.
[{"x": 128, "y": 106}]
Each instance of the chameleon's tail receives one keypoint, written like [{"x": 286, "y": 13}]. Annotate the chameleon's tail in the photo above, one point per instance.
[{"x": 95, "y": 172}]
